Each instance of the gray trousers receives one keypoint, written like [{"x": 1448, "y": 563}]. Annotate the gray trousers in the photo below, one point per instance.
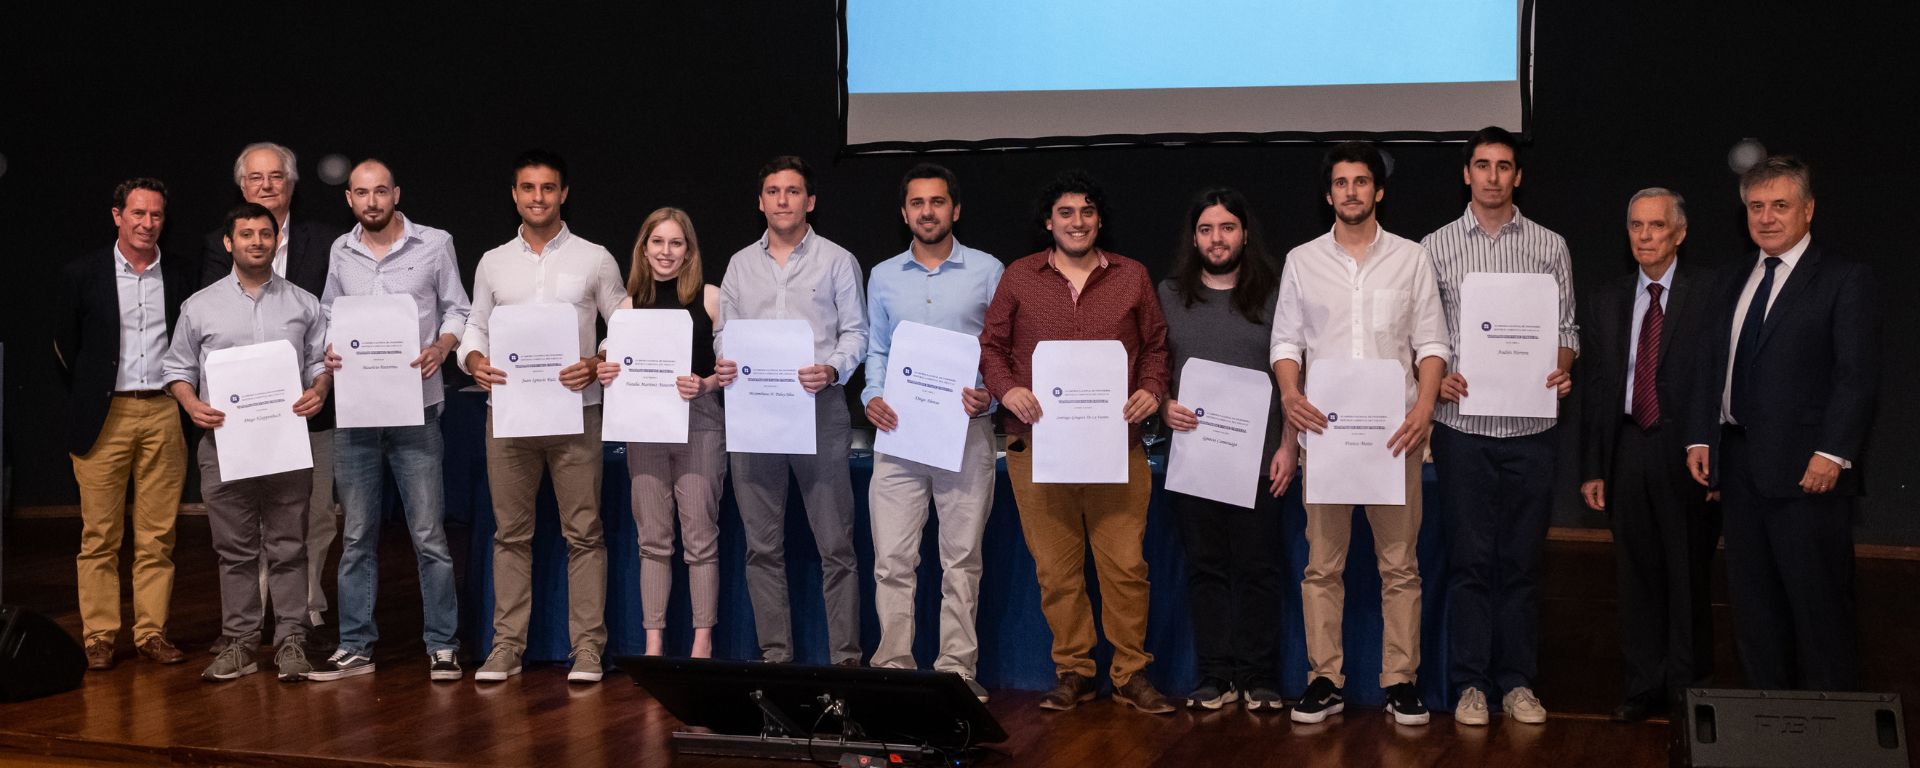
[
  {"x": 253, "y": 519},
  {"x": 760, "y": 488},
  {"x": 689, "y": 478},
  {"x": 323, "y": 524},
  {"x": 897, "y": 502},
  {"x": 514, "y": 467}
]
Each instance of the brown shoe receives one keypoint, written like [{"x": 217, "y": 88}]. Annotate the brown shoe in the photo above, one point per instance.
[
  {"x": 1071, "y": 690},
  {"x": 1141, "y": 695},
  {"x": 159, "y": 651},
  {"x": 99, "y": 654}
]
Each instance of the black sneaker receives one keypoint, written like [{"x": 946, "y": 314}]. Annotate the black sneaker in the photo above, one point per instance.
[
  {"x": 1213, "y": 693},
  {"x": 1321, "y": 699},
  {"x": 343, "y": 663},
  {"x": 1403, "y": 702},
  {"x": 443, "y": 665}
]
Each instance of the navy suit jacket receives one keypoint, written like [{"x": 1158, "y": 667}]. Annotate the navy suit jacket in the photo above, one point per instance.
[
  {"x": 1815, "y": 376},
  {"x": 86, "y": 341}
]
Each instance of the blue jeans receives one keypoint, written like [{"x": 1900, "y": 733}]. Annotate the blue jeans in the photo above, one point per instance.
[{"x": 360, "y": 456}]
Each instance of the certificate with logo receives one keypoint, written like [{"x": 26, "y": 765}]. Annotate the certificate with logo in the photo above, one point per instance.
[
  {"x": 1221, "y": 459},
  {"x": 1081, "y": 436},
  {"x": 654, "y": 348},
  {"x": 376, "y": 339},
  {"x": 767, "y": 409},
  {"x": 1509, "y": 343},
  {"x": 256, "y": 386},
  {"x": 926, "y": 369},
  {"x": 532, "y": 343},
  {"x": 1365, "y": 401}
]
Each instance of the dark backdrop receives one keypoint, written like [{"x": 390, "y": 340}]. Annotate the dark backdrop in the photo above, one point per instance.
[{"x": 678, "y": 104}]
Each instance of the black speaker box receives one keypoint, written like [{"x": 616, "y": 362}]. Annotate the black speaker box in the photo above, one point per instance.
[
  {"x": 36, "y": 658},
  {"x": 1729, "y": 728}
]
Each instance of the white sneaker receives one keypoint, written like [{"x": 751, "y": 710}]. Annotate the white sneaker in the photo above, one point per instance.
[
  {"x": 1520, "y": 704},
  {"x": 1472, "y": 709}
]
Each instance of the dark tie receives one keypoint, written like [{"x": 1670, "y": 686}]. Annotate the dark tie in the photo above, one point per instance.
[
  {"x": 1646, "y": 395},
  {"x": 1749, "y": 343}
]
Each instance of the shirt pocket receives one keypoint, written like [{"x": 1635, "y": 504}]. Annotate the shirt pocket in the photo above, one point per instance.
[
  {"x": 569, "y": 289},
  {"x": 1390, "y": 309}
]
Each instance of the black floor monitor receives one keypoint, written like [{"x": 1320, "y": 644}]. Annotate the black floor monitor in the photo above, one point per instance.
[{"x": 806, "y": 712}]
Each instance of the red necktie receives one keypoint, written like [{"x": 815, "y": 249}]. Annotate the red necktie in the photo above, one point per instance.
[{"x": 1646, "y": 393}]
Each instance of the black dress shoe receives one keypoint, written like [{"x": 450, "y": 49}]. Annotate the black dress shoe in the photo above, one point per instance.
[{"x": 1636, "y": 709}]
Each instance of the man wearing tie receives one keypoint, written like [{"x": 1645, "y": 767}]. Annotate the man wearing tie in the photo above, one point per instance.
[
  {"x": 1790, "y": 408},
  {"x": 1643, "y": 337}
]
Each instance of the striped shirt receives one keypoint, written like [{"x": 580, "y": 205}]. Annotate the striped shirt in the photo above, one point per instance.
[
  {"x": 421, "y": 264},
  {"x": 1461, "y": 248}
]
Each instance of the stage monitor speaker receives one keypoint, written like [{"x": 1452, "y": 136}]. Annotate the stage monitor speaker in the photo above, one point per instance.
[
  {"x": 802, "y": 712},
  {"x": 1725, "y": 728},
  {"x": 37, "y": 658}
]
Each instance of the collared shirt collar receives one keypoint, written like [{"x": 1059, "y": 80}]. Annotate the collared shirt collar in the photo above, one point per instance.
[
  {"x": 956, "y": 258},
  {"x": 558, "y": 241},
  {"x": 272, "y": 283},
  {"x": 1373, "y": 244},
  {"x": 406, "y": 233},
  {"x": 127, "y": 266},
  {"x": 1792, "y": 256},
  {"x": 1473, "y": 224},
  {"x": 806, "y": 241},
  {"x": 1047, "y": 263},
  {"x": 1665, "y": 281}
]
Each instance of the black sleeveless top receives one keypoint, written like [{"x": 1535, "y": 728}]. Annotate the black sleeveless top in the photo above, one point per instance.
[{"x": 666, "y": 295}]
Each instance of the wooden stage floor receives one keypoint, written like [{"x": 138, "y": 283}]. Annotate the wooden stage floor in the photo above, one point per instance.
[{"x": 141, "y": 713}]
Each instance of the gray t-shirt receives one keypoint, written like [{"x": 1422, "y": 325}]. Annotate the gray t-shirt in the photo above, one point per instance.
[{"x": 1214, "y": 330}]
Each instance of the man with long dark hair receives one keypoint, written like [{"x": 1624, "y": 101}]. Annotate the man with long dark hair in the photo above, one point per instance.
[{"x": 1219, "y": 307}]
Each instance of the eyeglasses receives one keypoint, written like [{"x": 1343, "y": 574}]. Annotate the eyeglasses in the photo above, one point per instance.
[{"x": 257, "y": 179}]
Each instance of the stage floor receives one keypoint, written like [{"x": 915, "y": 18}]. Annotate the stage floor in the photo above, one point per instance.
[{"x": 141, "y": 713}]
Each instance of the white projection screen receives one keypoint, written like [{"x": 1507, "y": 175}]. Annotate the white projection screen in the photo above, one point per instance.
[{"x": 925, "y": 75}]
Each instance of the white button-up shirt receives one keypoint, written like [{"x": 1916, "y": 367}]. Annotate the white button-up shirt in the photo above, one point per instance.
[
  {"x": 569, "y": 271},
  {"x": 1386, "y": 307},
  {"x": 143, "y": 324}
]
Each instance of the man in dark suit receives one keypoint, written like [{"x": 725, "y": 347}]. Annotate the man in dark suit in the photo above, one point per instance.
[
  {"x": 119, "y": 304},
  {"x": 266, "y": 174},
  {"x": 1642, "y": 337},
  {"x": 1787, "y": 418}
]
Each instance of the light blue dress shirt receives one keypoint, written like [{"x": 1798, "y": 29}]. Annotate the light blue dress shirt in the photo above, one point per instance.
[{"x": 953, "y": 297}]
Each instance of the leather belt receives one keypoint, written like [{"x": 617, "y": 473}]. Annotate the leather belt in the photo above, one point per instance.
[{"x": 140, "y": 394}]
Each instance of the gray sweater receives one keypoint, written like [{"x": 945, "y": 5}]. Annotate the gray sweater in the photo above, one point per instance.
[{"x": 1213, "y": 330}]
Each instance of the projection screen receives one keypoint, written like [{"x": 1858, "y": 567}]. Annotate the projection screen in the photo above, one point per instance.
[{"x": 995, "y": 73}]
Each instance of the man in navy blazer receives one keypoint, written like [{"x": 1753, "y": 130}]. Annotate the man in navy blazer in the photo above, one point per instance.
[
  {"x": 118, "y": 306},
  {"x": 1787, "y": 416},
  {"x": 1642, "y": 338},
  {"x": 266, "y": 174}
]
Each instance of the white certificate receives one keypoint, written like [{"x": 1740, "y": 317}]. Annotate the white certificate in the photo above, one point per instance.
[
  {"x": 255, "y": 386},
  {"x": 1350, "y": 463},
  {"x": 767, "y": 409},
  {"x": 654, "y": 347},
  {"x": 1082, "y": 435},
  {"x": 377, "y": 385},
  {"x": 532, "y": 342},
  {"x": 1509, "y": 343},
  {"x": 1221, "y": 459},
  {"x": 927, "y": 368}
]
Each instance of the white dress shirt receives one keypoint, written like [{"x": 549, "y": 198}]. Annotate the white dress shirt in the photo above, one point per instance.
[
  {"x": 1386, "y": 307},
  {"x": 280, "y": 250},
  {"x": 1640, "y": 303},
  {"x": 569, "y": 271},
  {"x": 143, "y": 324}
]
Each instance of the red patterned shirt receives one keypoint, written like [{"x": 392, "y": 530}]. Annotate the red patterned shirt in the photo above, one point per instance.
[{"x": 1036, "y": 303}]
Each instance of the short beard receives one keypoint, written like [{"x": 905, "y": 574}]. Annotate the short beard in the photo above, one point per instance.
[
  {"x": 937, "y": 237},
  {"x": 1232, "y": 265},
  {"x": 1354, "y": 222},
  {"x": 380, "y": 227}
]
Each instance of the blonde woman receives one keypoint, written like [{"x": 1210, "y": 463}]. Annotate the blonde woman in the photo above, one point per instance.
[{"x": 688, "y": 477}]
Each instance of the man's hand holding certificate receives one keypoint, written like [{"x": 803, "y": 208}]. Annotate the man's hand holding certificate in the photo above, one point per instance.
[
  {"x": 1081, "y": 436},
  {"x": 1352, "y": 421},
  {"x": 929, "y": 371},
  {"x": 532, "y": 344},
  {"x": 256, "y": 389},
  {"x": 769, "y": 410},
  {"x": 1219, "y": 455},
  {"x": 1509, "y": 348},
  {"x": 376, "y": 382}
]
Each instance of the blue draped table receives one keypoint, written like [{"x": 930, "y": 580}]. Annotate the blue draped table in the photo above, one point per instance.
[{"x": 1014, "y": 641}]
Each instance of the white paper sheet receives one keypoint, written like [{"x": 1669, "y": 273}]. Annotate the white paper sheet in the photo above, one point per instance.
[
  {"x": 1350, "y": 463},
  {"x": 255, "y": 386},
  {"x": 1221, "y": 459},
  {"x": 532, "y": 342},
  {"x": 1509, "y": 343},
  {"x": 377, "y": 385},
  {"x": 654, "y": 347},
  {"x": 767, "y": 409},
  {"x": 1082, "y": 435},
  {"x": 929, "y": 367}
]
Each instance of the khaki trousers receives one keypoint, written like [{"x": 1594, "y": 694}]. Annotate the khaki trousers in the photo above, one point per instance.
[
  {"x": 1323, "y": 593},
  {"x": 1060, "y": 521},
  {"x": 142, "y": 437},
  {"x": 514, "y": 466}
]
